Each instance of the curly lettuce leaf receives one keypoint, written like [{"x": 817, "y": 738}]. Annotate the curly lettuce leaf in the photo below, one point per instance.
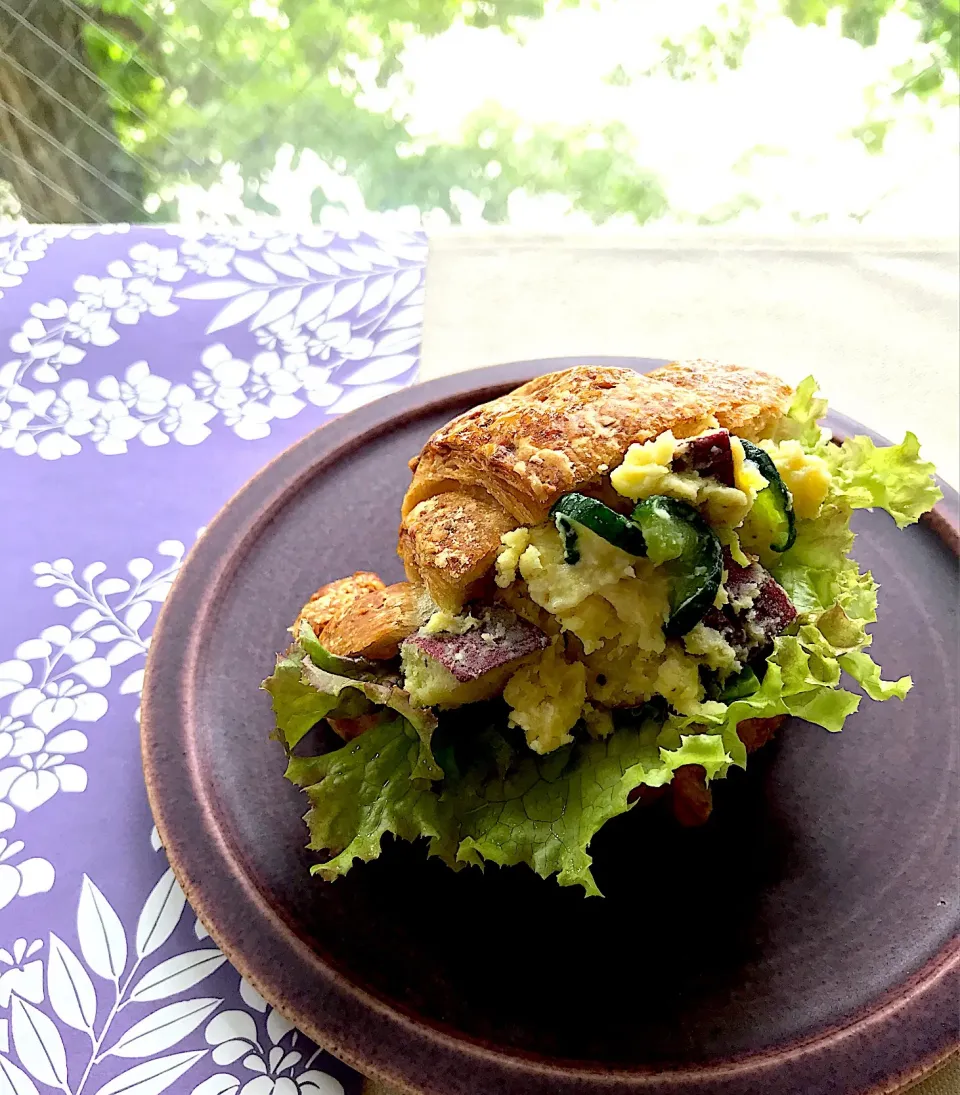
[
  {"x": 865, "y": 476},
  {"x": 297, "y": 707},
  {"x": 543, "y": 811},
  {"x": 866, "y": 673},
  {"x": 891, "y": 477},
  {"x": 366, "y": 789},
  {"x": 302, "y": 695},
  {"x": 549, "y": 808},
  {"x": 801, "y": 422}
]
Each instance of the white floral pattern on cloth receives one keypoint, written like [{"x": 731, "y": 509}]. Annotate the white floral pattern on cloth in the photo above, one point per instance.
[
  {"x": 57, "y": 680},
  {"x": 18, "y": 248},
  {"x": 334, "y": 322},
  {"x": 134, "y": 998},
  {"x": 112, "y": 342},
  {"x": 140, "y": 1016}
]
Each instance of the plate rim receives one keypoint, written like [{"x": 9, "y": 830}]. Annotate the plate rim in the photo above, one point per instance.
[{"x": 408, "y": 1041}]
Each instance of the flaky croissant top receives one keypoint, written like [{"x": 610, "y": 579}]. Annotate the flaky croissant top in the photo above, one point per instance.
[{"x": 505, "y": 463}]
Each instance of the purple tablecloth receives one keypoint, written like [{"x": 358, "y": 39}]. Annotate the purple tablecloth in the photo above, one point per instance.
[{"x": 145, "y": 374}]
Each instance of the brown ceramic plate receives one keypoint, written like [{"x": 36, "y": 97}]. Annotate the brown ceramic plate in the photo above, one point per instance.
[{"x": 803, "y": 942}]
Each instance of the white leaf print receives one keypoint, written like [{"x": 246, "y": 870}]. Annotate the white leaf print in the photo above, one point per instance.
[
  {"x": 278, "y": 1026},
  {"x": 161, "y": 914},
  {"x": 102, "y": 940},
  {"x": 109, "y": 586},
  {"x": 91, "y": 707},
  {"x": 70, "y": 741},
  {"x": 38, "y": 1043},
  {"x": 86, "y": 619},
  {"x": 123, "y": 652},
  {"x": 346, "y": 297},
  {"x": 411, "y": 316},
  {"x": 36, "y": 876},
  {"x": 32, "y": 789},
  {"x": 229, "y": 1026},
  {"x": 14, "y": 1081},
  {"x": 81, "y": 649},
  {"x": 316, "y": 1082},
  {"x": 69, "y": 987},
  {"x": 349, "y": 260},
  {"x": 159, "y": 590},
  {"x": 405, "y": 284},
  {"x": 251, "y": 997},
  {"x": 221, "y": 1083},
  {"x": 214, "y": 290},
  {"x": 95, "y": 672},
  {"x": 32, "y": 648},
  {"x": 286, "y": 264},
  {"x": 93, "y": 571},
  {"x": 314, "y": 304},
  {"x": 140, "y": 568},
  {"x": 376, "y": 255},
  {"x": 48, "y": 714},
  {"x": 228, "y": 1052},
  {"x": 137, "y": 615},
  {"x": 163, "y": 1028},
  {"x": 254, "y": 271},
  {"x": 377, "y": 291},
  {"x": 72, "y": 355},
  {"x": 152, "y": 1077},
  {"x": 394, "y": 342},
  {"x": 177, "y": 974},
  {"x": 238, "y": 310},
  {"x": 103, "y": 336},
  {"x": 277, "y": 307},
  {"x": 318, "y": 261},
  {"x": 132, "y": 684},
  {"x": 106, "y": 633},
  {"x": 382, "y": 368}
]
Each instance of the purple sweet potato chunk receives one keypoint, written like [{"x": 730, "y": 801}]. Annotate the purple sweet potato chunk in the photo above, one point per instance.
[
  {"x": 709, "y": 455},
  {"x": 729, "y": 627},
  {"x": 501, "y": 637},
  {"x": 752, "y": 626},
  {"x": 772, "y": 611}
]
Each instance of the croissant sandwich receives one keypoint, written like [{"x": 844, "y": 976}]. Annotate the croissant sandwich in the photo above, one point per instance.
[{"x": 618, "y": 586}]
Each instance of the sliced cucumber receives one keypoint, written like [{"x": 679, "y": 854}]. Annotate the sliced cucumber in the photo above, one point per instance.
[
  {"x": 568, "y": 534},
  {"x": 739, "y": 687},
  {"x": 770, "y": 522},
  {"x": 359, "y": 669},
  {"x": 679, "y": 539},
  {"x": 578, "y": 509}
]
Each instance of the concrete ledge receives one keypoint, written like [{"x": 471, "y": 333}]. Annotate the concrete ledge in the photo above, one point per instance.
[{"x": 875, "y": 320}]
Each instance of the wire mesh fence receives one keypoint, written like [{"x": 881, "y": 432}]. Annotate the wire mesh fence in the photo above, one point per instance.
[{"x": 68, "y": 74}]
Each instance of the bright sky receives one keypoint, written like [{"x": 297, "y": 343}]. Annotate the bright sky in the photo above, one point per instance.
[{"x": 797, "y": 95}]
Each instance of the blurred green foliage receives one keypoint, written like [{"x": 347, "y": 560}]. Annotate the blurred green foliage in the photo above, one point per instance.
[
  {"x": 200, "y": 83},
  {"x": 710, "y": 49},
  {"x": 196, "y": 84}
]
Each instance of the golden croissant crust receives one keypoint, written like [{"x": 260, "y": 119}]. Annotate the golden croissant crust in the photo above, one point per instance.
[{"x": 505, "y": 463}]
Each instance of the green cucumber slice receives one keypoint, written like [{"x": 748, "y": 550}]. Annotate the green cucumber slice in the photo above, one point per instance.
[
  {"x": 679, "y": 539},
  {"x": 359, "y": 669},
  {"x": 740, "y": 686},
  {"x": 771, "y": 520},
  {"x": 578, "y": 509}
]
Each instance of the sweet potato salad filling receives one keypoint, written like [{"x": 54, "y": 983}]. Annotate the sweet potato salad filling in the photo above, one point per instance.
[{"x": 656, "y": 625}]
